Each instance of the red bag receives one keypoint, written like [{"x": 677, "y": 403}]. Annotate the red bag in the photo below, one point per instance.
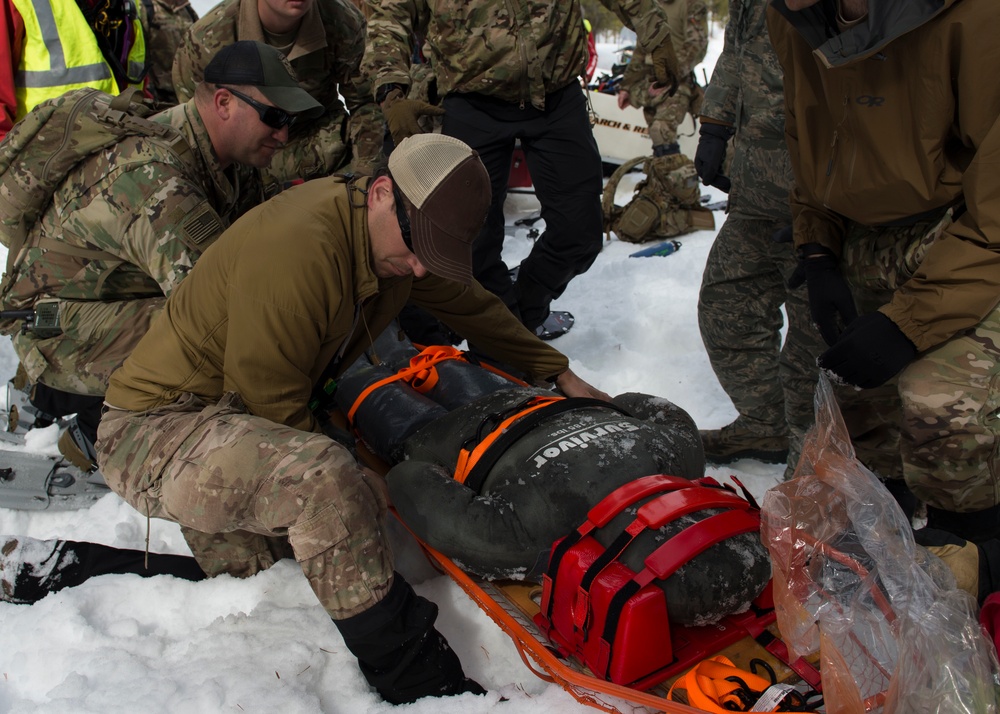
[{"x": 616, "y": 620}]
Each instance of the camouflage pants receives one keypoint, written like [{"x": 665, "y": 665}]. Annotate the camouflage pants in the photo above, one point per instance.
[
  {"x": 665, "y": 116},
  {"x": 939, "y": 415},
  {"x": 96, "y": 339},
  {"x": 739, "y": 314},
  {"x": 236, "y": 483}
]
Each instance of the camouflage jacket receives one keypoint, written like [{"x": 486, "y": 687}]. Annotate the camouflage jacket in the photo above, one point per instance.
[
  {"x": 326, "y": 58},
  {"x": 514, "y": 50},
  {"x": 165, "y": 23},
  {"x": 745, "y": 93},
  {"x": 264, "y": 317},
  {"x": 142, "y": 203},
  {"x": 689, "y": 33}
]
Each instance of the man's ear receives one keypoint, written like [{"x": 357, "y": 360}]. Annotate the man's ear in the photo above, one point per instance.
[
  {"x": 380, "y": 189},
  {"x": 222, "y": 100}
]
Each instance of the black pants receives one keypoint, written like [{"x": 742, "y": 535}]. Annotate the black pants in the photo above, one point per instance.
[
  {"x": 58, "y": 404},
  {"x": 94, "y": 559},
  {"x": 565, "y": 168}
]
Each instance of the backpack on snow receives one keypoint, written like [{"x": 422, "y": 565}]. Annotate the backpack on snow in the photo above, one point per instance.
[
  {"x": 46, "y": 145},
  {"x": 666, "y": 203}
]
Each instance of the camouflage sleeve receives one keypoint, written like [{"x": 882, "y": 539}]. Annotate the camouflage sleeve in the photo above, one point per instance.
[
  {"x": 366, "y": 131},
  {"x": 365, "y": 127},
  {"x": 695, "y": 35},
  {"x": 166, "y": 27},
  {"x": 185, "y": 72},
  {"x": 173, "y": 223},
  {"x": 637, "y": 76},
  {"x": 722, "y": 92},
  {"x": 645, "y": 17},
  {"x": 391, "y": 26}
]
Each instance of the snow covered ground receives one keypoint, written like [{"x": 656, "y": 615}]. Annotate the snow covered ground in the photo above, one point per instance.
[{"x": 122, "y": 644}]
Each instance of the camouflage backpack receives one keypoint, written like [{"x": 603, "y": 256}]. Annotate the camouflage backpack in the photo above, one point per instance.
[
  {"x": 666, "y": 203},
  {"x": 47, "y": 144}
]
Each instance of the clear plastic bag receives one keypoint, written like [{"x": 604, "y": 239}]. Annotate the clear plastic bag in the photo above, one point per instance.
[{"x": 894, "y": 633}]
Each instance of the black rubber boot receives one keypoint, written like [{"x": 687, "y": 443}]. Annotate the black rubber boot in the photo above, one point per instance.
[
  {"x": 977, "y": 526},
  {"x": 30, "y": 569},
  {"x": 904, "y": 496},
  {"x": 400, "y": 652}
]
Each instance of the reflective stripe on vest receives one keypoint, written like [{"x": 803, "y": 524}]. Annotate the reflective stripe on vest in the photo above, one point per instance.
[{"x": 61, "y": 53}]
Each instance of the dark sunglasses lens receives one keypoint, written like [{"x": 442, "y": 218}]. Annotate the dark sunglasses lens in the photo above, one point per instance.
[
  {"x": 403, "y": 218},
  {"x": 276, "y": 118}
]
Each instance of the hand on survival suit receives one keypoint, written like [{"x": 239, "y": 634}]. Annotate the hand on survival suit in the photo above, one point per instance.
[{"x": 538, "y": 479}]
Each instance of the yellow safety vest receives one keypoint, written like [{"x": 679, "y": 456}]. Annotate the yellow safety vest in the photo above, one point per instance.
[{"x": 61, "y": 53}]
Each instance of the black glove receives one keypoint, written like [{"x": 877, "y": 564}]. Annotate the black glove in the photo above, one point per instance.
[
  {"x": 870, "y": 352},
  {"x": 829, "y": 295},
  {"x": 711, "y": 154},
  {"x": 783, "y": 235}
]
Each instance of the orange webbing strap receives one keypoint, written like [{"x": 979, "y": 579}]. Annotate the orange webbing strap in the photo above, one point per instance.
[
  {"x": 467, "y": 459},
  {"x": 485, "y": 365},
  {"x": 715, "y": 684},
  {"x": 707, "y": 687},
  {"x": 420, "y": 374}
]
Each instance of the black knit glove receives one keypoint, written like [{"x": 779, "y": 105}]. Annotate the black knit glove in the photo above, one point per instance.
[
  {"x": 711, "y": 154},
  {"x": 829, "y": 294},
  {"x": 870, "y": 352}
]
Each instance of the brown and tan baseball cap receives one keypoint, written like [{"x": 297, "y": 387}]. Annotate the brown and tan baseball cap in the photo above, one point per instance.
[
  {"x": 449, "y": 191},
  {"x": 247, "y": 62}
]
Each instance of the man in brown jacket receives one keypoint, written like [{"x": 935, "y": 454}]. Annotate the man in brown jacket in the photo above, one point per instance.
[
  {"x": 210, "y": 423},
  {"x": 893, "y": 123}
]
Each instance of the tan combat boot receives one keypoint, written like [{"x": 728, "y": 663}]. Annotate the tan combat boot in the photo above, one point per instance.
[{"x": 734, "y": 441}]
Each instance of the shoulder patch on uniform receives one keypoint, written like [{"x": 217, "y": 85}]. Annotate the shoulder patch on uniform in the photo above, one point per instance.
[{"x": 201, "y": 224}]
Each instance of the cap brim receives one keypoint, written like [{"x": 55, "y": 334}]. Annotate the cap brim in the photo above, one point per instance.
[
  {"x": 442, "y": 253},
  {"x": 293, "y": 100}
]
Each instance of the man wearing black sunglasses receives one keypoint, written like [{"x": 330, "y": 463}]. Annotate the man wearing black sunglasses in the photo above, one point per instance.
[
  {"x": 122, "y": 232},
  {"x": 323, "y": 42},
  {"x": 271, "y": 116}
]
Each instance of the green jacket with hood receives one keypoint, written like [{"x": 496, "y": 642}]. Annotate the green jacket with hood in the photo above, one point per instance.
[
  {"x": 893, "y": 118},
  {"x": 285, "y": 290}
]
